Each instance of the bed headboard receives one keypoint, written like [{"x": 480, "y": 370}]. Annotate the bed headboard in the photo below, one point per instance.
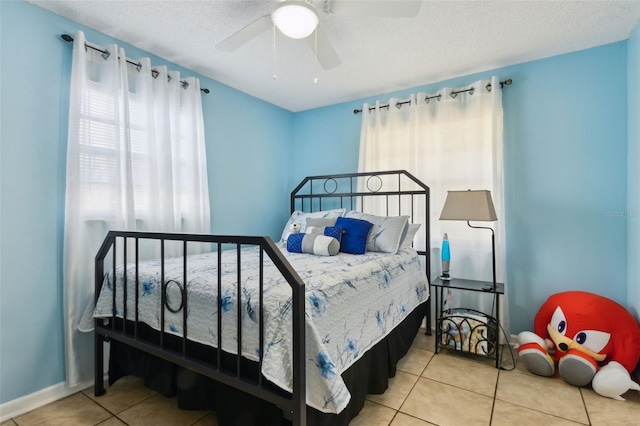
[{"x": 385, "y": 193}]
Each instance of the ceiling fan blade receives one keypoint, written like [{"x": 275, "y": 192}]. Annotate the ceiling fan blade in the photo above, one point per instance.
[
  {"x": 243, "y": 36},
  {"x": 327, "y": 56},
  {"x": 388, "y": 8}
]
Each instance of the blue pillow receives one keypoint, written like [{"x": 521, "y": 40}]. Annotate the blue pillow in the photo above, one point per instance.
[
  {"x": 354, "y": 235},
  {"x": 333, "y": 231}
]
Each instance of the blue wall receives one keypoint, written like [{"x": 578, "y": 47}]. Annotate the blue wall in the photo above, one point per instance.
[
  {"x": 633, "y": 202},
  {"x": 565, "y": 171},
  {"x": 35, "y": 91}
]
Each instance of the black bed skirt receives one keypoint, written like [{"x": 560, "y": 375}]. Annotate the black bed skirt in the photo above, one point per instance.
[{"x": 369, "y": 375}]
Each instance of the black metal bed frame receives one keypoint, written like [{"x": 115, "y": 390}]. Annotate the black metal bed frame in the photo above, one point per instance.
[{"x": 337, "y": 188}]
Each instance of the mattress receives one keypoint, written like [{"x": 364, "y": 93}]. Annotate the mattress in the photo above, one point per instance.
[{"x": 352, "y": 302}]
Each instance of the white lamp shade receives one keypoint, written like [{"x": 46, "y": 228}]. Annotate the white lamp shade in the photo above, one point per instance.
[
  {"x": 469, "y": 205},
  {"x": 295, "y": 19}
]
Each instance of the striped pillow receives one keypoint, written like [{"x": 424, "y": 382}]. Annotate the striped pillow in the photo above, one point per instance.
[{"x": 317, "y": 244}]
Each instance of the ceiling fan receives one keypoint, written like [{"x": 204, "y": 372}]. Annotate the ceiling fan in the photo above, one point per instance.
[{"x": 298, "y": 19}]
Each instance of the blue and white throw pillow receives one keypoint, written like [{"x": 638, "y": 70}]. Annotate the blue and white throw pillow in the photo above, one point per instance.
[{"x": 317, "y": 244}]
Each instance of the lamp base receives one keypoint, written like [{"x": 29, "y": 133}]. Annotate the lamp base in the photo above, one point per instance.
[{"x": 445, "y": 276}]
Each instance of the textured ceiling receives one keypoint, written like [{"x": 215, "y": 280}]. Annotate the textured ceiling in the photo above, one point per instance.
[{"x": 446, "y": 39}]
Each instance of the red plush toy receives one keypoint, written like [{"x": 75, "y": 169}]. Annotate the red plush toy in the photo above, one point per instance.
[{"x": 590, "y": 338}]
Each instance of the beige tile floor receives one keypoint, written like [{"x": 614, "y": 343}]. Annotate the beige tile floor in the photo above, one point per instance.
[{"x": 428, "y": 389}]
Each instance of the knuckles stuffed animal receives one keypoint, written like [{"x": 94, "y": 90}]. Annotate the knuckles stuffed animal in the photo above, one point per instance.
[{"x": 589, "y": 338}]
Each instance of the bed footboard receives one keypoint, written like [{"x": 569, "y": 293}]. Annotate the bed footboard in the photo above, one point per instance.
[{"x": 293, "y": 407}]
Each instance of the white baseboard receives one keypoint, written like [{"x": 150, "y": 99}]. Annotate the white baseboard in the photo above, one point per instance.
[
  {"x": 45, "y": 396},
  {"x": 26, "y": 403}
]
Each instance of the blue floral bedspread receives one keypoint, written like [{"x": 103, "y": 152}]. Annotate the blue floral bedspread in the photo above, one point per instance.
[{"x": 352, "y": 302}]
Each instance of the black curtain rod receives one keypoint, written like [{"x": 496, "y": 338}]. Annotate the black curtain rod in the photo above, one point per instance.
[
  {"x": 105, "y": 55},
  {"x": 428, "y": 98}
]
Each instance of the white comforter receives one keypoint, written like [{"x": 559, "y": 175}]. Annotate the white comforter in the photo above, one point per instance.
[{"x": 352, "y": 302}]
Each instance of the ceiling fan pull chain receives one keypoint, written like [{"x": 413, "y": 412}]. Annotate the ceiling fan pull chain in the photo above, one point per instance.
[
  {"x": 275, "y": 75},
  {"x": 315, "y": 52}
]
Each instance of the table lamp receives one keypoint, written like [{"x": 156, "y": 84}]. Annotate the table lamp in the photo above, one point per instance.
[{"x": 471, "y": 205}]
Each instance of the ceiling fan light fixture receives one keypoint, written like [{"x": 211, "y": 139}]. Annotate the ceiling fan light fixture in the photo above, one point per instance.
[{"x": 295, "y": 19}]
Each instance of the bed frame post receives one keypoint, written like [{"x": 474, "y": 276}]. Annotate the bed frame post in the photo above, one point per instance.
[
  {"x": 299, "y": 413},
  {"x": 99, "y": 339},
  {"x": 99, "y": 389}
]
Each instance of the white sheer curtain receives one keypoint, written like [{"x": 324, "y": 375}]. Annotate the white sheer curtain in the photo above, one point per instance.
[
  {"x": 135, "y": 161},
  {"x": 450, "y": 143}
]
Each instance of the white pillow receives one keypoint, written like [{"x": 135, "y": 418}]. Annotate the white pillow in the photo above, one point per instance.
[
  {"x": 301, "y": 218},
  {"x": 407, "y": 238},
  {"x": 386, "y": 232}
]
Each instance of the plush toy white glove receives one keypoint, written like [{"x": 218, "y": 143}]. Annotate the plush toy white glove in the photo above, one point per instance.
[{"x": 613, "y": 380}]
